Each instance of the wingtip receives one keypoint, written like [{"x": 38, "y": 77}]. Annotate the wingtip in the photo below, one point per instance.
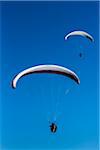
[
  {"x": 65, "y": 38},
  {"x": 78, "y": 81},
  {"x": 13, "y": 86}
]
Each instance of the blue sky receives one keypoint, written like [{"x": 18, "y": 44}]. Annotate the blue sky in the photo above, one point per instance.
[{"x": 32, "y": 33}]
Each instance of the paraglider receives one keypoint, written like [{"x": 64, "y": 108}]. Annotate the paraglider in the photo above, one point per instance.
[
  {"x": 80, "y": 54},
  {"x": 53, "y": 127},
  {"x": 79, "y": 33},
  {"x": 54, "y": 69}
]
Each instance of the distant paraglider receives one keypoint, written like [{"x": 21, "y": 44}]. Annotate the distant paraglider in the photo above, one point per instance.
[
  {"x": 79, "y": 33},
  {"x": 54, "y": 69}
]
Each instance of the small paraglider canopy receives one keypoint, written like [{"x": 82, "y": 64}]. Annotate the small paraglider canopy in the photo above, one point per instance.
[
  {"x": 54, "y": 69},
  {"x": 79, "y": 33}
]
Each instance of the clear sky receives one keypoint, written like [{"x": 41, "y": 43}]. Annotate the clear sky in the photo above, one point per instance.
[{"x": 32, "y": 33}]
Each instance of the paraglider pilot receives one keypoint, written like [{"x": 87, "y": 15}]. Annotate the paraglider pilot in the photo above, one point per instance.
[
  {"x": 80, "y": 54},
  {"x": 53, "y": 127}
]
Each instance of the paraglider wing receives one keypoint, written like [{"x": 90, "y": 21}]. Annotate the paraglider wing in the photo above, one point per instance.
[
  {"x": 81, "y": 33},
  {"x": 55, "y": 69}
]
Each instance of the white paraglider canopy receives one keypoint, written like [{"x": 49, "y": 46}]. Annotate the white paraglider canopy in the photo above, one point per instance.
[
  {"x": 79, "y": 33},
  {"x": 54, "y": 69}
]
